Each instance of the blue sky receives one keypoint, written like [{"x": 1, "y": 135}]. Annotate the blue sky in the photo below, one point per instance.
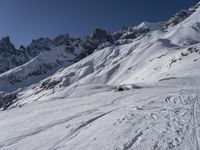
[{"x": 24, "y": 20}]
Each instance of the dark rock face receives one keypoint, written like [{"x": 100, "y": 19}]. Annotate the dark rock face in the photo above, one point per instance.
[
  {"x": 118, "y": 35},
  {"x": 90, "y": 43},
  {"x": 10, "y": 57},
  {"x": 7, "y": 100},
  {"x": 6, "y": 45},
  {"x": 130, "y": 35},
  {"x": 101, "y": 35},
  {"x": 180, "y": 16},
  {"x": 63, "y": 39},
  {"x": 38, "y": 46},
  {"x": 22, "y": 48},
  {"x": 49, "y": 84}
]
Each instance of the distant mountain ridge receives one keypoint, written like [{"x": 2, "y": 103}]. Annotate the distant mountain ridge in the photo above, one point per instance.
[
  {"x": 76, "y": 46},
  {"x": 11, "y": 57}
]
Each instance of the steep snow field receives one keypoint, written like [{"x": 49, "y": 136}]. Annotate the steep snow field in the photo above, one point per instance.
[{"x": 140, "y": 95}]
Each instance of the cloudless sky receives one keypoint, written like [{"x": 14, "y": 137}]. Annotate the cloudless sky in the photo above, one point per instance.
[{"x": 24, "y": 20}]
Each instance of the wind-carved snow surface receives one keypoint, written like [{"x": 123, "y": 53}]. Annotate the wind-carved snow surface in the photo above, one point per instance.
[{"x": 140, "y": 95}]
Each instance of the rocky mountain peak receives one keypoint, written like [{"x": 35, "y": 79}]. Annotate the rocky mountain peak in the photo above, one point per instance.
[
  {"x": 6, "y": 39},
  {"x": 181, "y": 16},
  {"x": 100, "y": 34},
  {"x": 10, "y": 57},
  {"x": 5, "y": 44}
]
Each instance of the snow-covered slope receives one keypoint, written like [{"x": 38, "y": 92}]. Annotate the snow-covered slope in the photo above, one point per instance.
[{"x": 140, "y": 91}]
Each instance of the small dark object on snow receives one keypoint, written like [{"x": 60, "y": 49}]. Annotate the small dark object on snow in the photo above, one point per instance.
[{"x": 126, "y": 87}]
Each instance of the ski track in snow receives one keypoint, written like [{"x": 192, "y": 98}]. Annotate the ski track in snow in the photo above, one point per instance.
[
  {"x": 59, "y": 122},
  {"x": 175, "y": 120},
  {"x": 75, "y": 132}
]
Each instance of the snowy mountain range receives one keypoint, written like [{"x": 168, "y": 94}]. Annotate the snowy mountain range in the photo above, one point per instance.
[{"x": 137, "y": 88}]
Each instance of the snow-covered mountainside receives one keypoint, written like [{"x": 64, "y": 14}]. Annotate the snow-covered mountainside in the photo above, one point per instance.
[
  {"x": 23, "y": 67},
  {"x": 135, "y": 89}
]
